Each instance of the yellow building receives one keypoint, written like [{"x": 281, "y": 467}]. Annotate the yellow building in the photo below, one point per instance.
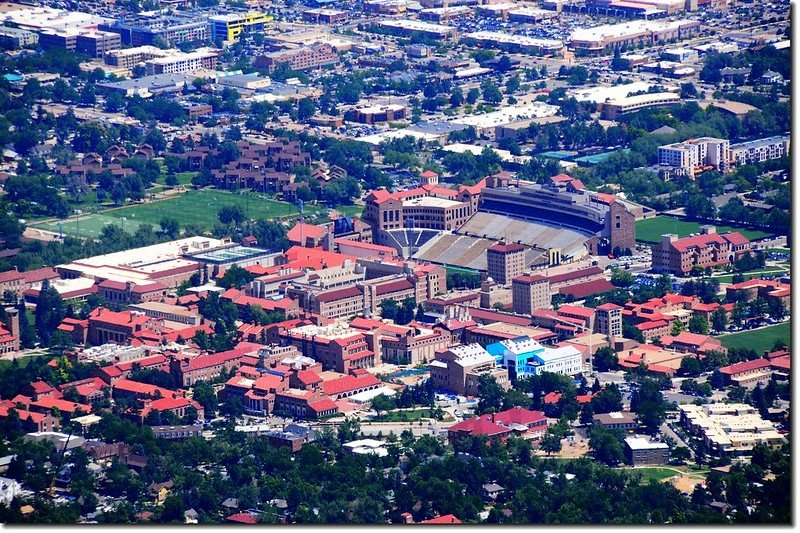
[{"x": 230, "y": 27}]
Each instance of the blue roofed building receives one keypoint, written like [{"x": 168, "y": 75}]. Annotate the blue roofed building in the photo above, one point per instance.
[{"x": 524, "y": 357}]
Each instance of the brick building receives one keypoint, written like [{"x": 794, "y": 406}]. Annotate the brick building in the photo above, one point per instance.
[
  {"x": 709, "y": 249},
  {"x": 505, "y": 262}
]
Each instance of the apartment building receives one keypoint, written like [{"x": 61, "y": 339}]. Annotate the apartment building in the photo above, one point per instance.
[
  {"x": 694, "y": 155},
  {"x": 760, "y": 150},
  {"x": 97, "y": 43},
  {"x": 709, "y": 249},
  {"x": 641, "y": 451},
  {"x": 182, "y": 62},
  {"x": 302, "y": 58}
]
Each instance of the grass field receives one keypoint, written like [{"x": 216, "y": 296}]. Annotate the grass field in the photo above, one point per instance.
[
  {"x": 23, "y": 361},
  {"x": 653, "y": 474},
  {"x": 652, "y": 229},
  {"x": 195, "y": 207},
  {"x": 88, "y": 225},
  {"x": 758, "y": 339},
  {"x": 404, "y": 416}
]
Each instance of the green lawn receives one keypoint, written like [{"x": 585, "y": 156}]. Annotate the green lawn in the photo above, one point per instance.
[
  {"x": 404, "y": 416},
  {"x": 653, "y": 474},
  {"x": 195, "y": 207},
  {"x": 23, "y": 361},
  {"x": 758, "y": 339},
  {"x": 728, "y": 278},
  {"x": 652, "y": 229},
  {"x": 87, "y": 225},
  {"x": 350, "y": 210}
]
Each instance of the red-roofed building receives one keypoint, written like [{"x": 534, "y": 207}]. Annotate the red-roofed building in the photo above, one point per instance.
[
  {"x": 12, "y": 281},
  {"x": 337, "y": 303},
  {"x": 586, "y": 289},
  {"x": 177, "y": 406},
  {"x": 128, "y": 389},
  {"x": 242, "y": 518},
  {"x": 119, "y": 293},
  {"x": 759, "y": 288},
  {"x": 709, "y": 249},
  {"x": 90, "y": 390},
  {"x": 48, "y": 403},
  {"x": 31, "y": 421},
  {"x": 306, "y": 235},
  {"x": 207, "y": 367},
  {"x": 477, "y": 427},
  {"x": 575, "y": 277},
  {"x": 111, "y": 326},
  {"x": 363, "y": 249},
  {"x": 287, "y": 306},
  {"x": 748, "y": 373},
  {"x": 693, "y": 343},
  {"x": 349, "y": 385},
  {"x": 304, "y": 404},
  {"x": 654, "y": 329},
  {"x": 39, "y": 389},
  {"x": 444, "y": 519}
]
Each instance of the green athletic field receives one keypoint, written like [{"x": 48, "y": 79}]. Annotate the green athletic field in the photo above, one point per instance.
[
  {"x": 652, "y": 229},
  {"x": 758, "y": 339}
]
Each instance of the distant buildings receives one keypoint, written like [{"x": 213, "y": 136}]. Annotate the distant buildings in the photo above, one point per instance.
[
  {"x": 514, "y": 43},
  {"x": 679, "y": 256},
  {"x": 594, "y": 41},
  {"x": 406, "y": 27},
  {"x": 231, "y": 26},
  {"x": 302, "y": 58},
  {"x": 733, "y": 429}
]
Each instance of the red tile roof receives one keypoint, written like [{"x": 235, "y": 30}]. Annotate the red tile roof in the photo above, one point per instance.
[
  {"x": 736, "y": 238},
  {"x": 506, "y": 248},
  {"x": 576, "y": 274},
  {"x": 349, "y": 383},
  {"x": 394, "y": 286},
  {"x": 644, "y": 326},
  {"x": 48, "y": 402},
  {"x": 339, "y": 294},
  {"x": 698, "y": 241},
  {"x": 479, "y": 426},
  {"x": 579, "y": 310},
  {"x": 518, "y": 415},
  {"x": 143, "y": 388},
  {"x": 10, "y": 275},
  {"x": 214, "y": 359},
  {"x": 582, "y": 290},
  {"x": 39, "y": 274},
  {"x": 745, "y": 366},
  {"x": 608, "y": 307},
  {"x": 166, "y": 404},
  {"x": 307, "y": 230},
  {"x": 445, "y": 519},
  {"x": 324, "y": 404},
  {"x": 308, "y": 377},
  {"x": 243, "y": 518},
  {"x": 529, "y": 279}
]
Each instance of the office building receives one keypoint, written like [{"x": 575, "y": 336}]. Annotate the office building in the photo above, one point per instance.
[
  {"x": 523, "y": 357},
  {"x": 641, "y": 451},
  {"x": 15, "y": 38},
  {"x": 529, "y": 293},
  {"x": 302, "y": 58},
  {"x": 505, "y": 262},
  {"x": 460, "y": 368},
  {"x": 231, "y": 26}
]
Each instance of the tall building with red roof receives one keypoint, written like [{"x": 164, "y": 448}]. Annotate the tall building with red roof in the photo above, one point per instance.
[{"x": 679, "y": 256}]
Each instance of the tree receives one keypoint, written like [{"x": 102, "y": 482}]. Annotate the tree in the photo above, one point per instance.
[
  {"x": 649, "y": 405},
  {"x": 203, "y": 393},
  {"x": 605, "y": 359},
  {"x": 719, "y": 319},
  {"x": 235, "y": 277},
  {"x": 232, "y": 214},
  {"x": 550, "y": 443},
  {"x": 681, "y": 454},
  {"x": 606, "y": 445},
  {"x": 490, "y": 393},
  {"x": 473, "y": 95},
  {"x": 170, "y": 227},
  {"x": 382, "y": 403},
  {"x": 491, "y": 93},
  {"x": 677, "y": 327},
  {"x": 621, "y": 278},
  {"x": 456, "y": 97},
  {"x": 690, "y": 366},
  {"x": 608, "y": 400},
  {"x": 587, "y": 414},
  {"x": 50, "y": 312},
  {"x": 305, "y": 109},
  {"x": 349, "y": 430}
]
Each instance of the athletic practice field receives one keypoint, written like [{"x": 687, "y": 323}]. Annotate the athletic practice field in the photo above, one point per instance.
[{"x": 652, "y": 229}]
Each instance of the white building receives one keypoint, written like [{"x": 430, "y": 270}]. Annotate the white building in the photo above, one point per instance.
[
  {"x": 9, "y": 489},
  {"x": 690, "y": 156},
  {"x": 760, "y": 150}
]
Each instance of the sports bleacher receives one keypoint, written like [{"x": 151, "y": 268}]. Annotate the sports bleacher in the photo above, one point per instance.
[
  {"x": 406, "y": 241},
  {"x": 464, "y": 251},
  {"x": 537, "y": 234}
]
